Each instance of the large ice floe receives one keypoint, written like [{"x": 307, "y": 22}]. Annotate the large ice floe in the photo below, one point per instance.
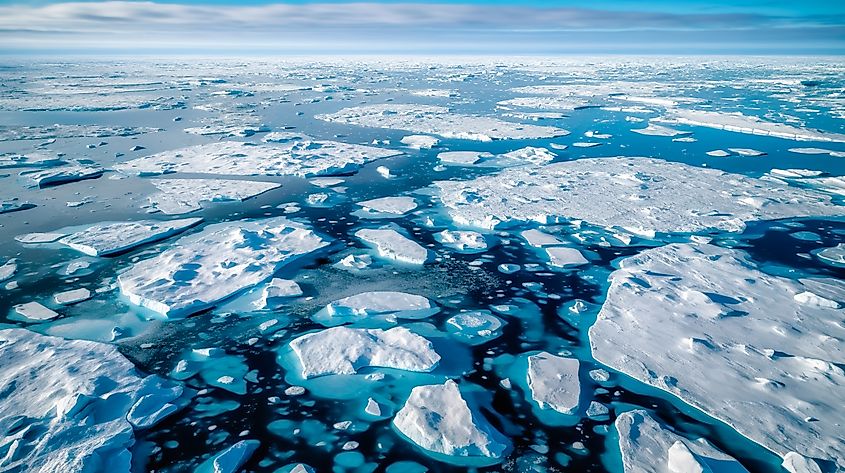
[
  {"x": 304, "y": 158},
  {"x": 647, "y": 446},
  {"x": 435, "y": 120},
  {"x": 739, "y": 123},
  {"x": 392, "y": 245},
  {"x": 179, "y": 196},
  {"x": 343, "y": 350},
  {"x": 220, "y": 261},
  {"x": 106, "y": 239},
  {"x": 643, "y": 196},
  {"x": 439, "y": 420},
  {"x": 761, "y": 353},
  {"x": 381, "y": 305},
  {"x": 72, "y": 406}
]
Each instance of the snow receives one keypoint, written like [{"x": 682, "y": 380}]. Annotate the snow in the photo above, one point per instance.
[
  {"x": 35, "y": 311},
  {"x": 231, "y": 459},
  {"x": 565, "y": 257},
  {"x": 343, "y": 350},
  {"x": 222, "y": 260},
  {"x": 295, "y": 158},
  {"x": 438, "y": 419},
  {"x": 553, "y": 382},
  {"x": 643, "y": 196},
  {"x": 179, "y": 196},
  {"x": 679, "y": 316},
  {"x": 739, "y": 123},
  {"x": 434, "y": 120},
  {"x": 72, "y": 296},
  {"x": 647, "y": 446},
  {"x": 462, "y": 240},
  {"x": 420, "y": 141},
  {"x": 462, "y": 158},
  {"x": 106, "y": 239},
  {"x": 392, "y": 245},
  {"x": 71, "y": 405},
  {"x": 390, "y": 205},
  {"x": 63, "y": 175}
]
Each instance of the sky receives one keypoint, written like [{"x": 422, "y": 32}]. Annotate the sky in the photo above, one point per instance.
[{"x": 480, "y": 27}]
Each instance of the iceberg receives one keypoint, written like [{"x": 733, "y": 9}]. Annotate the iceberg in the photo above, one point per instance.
[
  {"x": 643, "y": 196},
  {"x": 216, "y": 263},
  {"x": 180, "y": 196},
  {"x": 107, "y": 239},
  {"x": 647, "y": 446},
  {"x": 72, "y": 405},
  {"x": 343, "y": 350},
  {"x": 679, "y": 316},
  {"x": 392, "y": 245}
]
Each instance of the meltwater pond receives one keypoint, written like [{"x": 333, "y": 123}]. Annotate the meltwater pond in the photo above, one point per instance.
[{"x": 358, "y": 265}]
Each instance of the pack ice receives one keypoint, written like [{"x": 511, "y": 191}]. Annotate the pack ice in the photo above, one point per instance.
[
  {"x": 649, "y": 447},
  {"x": 643, "y": 196},
  {"x": 179, "y": 196},
  {"x": 304, "y": 158},
  {"x": 72, "y": 405},
  {"x": 109, "y": 238},
  {"x": 739, "y": 123},
  {"x": 435, "y": 120},
  {"x": 438, "y": 419},
  {"x": 343, "y": 350},
  {"x": 220, "y": 261},
  {"x": 680, "y": 316}
]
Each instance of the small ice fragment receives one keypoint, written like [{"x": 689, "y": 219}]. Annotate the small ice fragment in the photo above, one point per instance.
[
  {"x": 420, "y": 141},
  {"x": 35, "y": 311},
  {"x": 384, "y": 171},
  {"x": 7, "y": 270},
  {"x": 467, "y": 241},
  {"x": 231, "y": 459},
  {"x": 72, "y": 297},
  {"x": 718, "y": 153},
  {"x": 565, "y": 257}
]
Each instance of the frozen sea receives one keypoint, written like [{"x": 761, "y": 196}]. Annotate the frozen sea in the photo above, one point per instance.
[{"x": 403, "y": 265}]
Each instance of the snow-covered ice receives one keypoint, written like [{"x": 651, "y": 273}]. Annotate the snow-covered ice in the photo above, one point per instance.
[
  {"x": 179, "y": 196},
  {"x": 382, "y": 304},
  {"x": 420, "y": 141},
  {"x": 462, "y": 240},
  {"x": 109, "y": 238},
  {"x": 35, "y": 311},
  {"x": 393, "y": 245},
  {"x": 390, "y": 205},
  {"x": 739, "y": 123},
  {"x": 554, "y": 383}
]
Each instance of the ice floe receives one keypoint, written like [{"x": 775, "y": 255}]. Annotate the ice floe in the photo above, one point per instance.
[
  {"x": 680, "y": 316},
  {"x": 72, "y": 405},
  {"x": 384, "y": 305},
  {"x": 72, "y": 296},
  {"x": 276, "y": 291},
  {"x": 393, "y": 245},
  {"x": 554, "y": 383},
  {"x": 63, "y": 175},
  {"x": 647, "y": 446},
  {"x": 106, "y": 239},
  {"x": 835, "y": 154},
  {"x": 202, "y": 269},
  {"x": 439, "y": 121},
  {"x": 390, "y": 205},
  {"x": 739, "y": 123},
  {"x": 420, "y": 141},
  {"x": 14, "y": 205},
  {"x": 343, "y": 350},
  {"x": 231, "y": 459},
  {"x": 643, "y": 196},
  {"x": 179, "y": 196},
  {"x": 465, "y": 241},
  {"x": 659, "y": 130},
  {"x": 35, "y": 311}
]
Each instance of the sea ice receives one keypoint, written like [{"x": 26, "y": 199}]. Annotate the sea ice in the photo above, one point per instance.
[
  {"x": 438, "y": 419},
  {"x": 565, "y": 257},
  {"x": 202, "y": 269},
  {"x": 383, "y": 304},
  {"x": 71, "y": 405},
  {"x": 739, "y": 123},
  {"x": 14, "y": 205},
  {"x": 8, "y": 133},
  {"x": 649, "y": 447},
  {"x": 106, "y": 239},
  {"x": 679, "y": 316},
  {"x": 72, "y": 296},
  {"x": 531, "y": 154},
  {"x": 63, "y": 175},
  {"x": 276, "y": 291},
  {"x": 392, "y": 245},
  {"x": 420, "y": 141},
  {"x": 833, "y": 255},
  {"x": 465, "y": 241},
  {"x": 231, "y": 459},
  {"x": 554, "y": 383},
  {"x": 343, "y": 350},
  {"x": 179, "y": 196},
  {"x": 463, "y": 158},
  {"x": 659, "y": 130},
  {"x": 474, "y": 327},
  {"x": 8, "y": 269},
  {"x": 390, "y": 205},
  {"x": 35, "y": 311},
  {"x": 643, "y": 196},
  {"x": 430, "y": 119}
]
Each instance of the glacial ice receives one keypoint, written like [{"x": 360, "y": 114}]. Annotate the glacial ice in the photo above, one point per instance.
[
  {"x": 387, "y": 305},
  {"x": 296, "y": 158},
  {"x": 106, "y": 239},
  {"x": 179, "y": 196},
  {"x": 434, "y": 120},
  {"x": 202, "y": 269},
  {"x": 343, "y": 350},
  {"x": 554, "y": 383},
  {"x": 739, "y": 123},
  {"x": 647, "y": 446},
  {"x": 71, "y": 405},
  {"x": 643, "y": 196},
  {"x": 678, "y": 317},
  {"x": 392, "y": 245},
  {"x": 438, "y": 419}
]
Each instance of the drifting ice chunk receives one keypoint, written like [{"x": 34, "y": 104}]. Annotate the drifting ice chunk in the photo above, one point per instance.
[
  {"x": 7, "y": 270},
  {"x": 564, "y": 257},
  {"x": 474, "y": 327},
  {"x": 464, "y": 158},
  {"x": 342, "y": 350},
  {"x": 531, "y": 154},
  {"x": 231, "y": 459},
  {"x": 35, "y": 311},
  {"x": 276, "y": 291},
  {"x": 648, "y": 447},
  {"x": 466, "y": 241},
  {"x": 179, "y": 196},
  {"x": 554, "y": 383},
  {"x": 202, "y": 269},
  {"x": 718, "y": 153},
  {"x": 835, "y": 154},
  {"x": 390, "y": 205},
  {"x": 747, "y": 152},
  {"x": 392, "y": 245},
  {"x": 110, "y": 238},
  {"x": 440, "y": 121},
  {"x": 300, "y": 158},
  {"x": 438, "y": 419},
  {"x": 834, "y": 256},
  {"x": 641, "y": 195},
  {"x": 62, "y": 175},
  {"x": 659, "y": 130},
  {"x": 37, "y": 238},
  {"x": 795, "y": 463},
  {"x": 72, "y": 297},
  {"x": 14, "y": 205},
  {"x": 539, "y": 239},
  {"x": 679, "y": 316},
  {"x": 81, "y": 398},
  {"x": 420, "y": 141},
  {"x": 380, "y": 303},
  {"x": 739, "y": 123}
]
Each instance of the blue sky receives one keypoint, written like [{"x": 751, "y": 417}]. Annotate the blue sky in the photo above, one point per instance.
[{"x": 460, "y": 27}]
